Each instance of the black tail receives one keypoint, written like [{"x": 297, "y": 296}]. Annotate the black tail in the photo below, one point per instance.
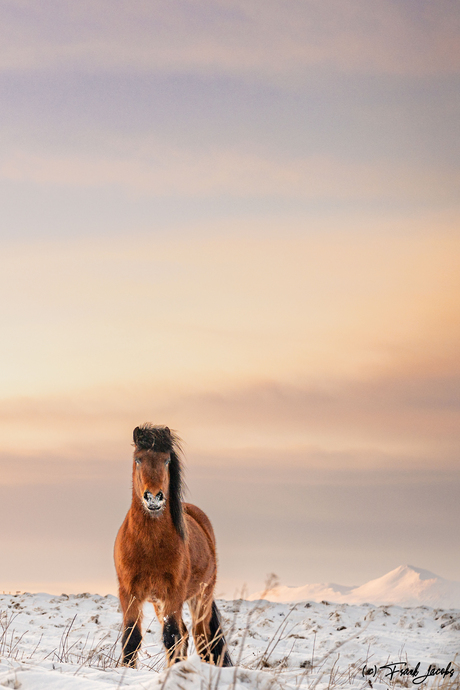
[{"x": 219, "y": 651}]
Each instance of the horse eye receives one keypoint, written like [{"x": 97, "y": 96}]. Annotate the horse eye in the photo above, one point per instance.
[
  {"x": 167, "y": 461},
  {"x": 138, "y": 461}
]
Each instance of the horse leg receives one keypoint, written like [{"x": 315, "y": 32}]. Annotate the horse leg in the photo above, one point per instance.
[
  {"x": 207, "y": 631},
  {"x": 219, "y": 650},
  {"x": 175, "y": 636},
  {"x": 132, "y": 628}
]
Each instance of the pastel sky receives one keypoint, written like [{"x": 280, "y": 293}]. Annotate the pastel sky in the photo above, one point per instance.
[{"x": 240, "y": 220}]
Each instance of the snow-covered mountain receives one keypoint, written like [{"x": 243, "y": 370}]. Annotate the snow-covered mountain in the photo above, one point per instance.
[{"x": 406, "y": 586}]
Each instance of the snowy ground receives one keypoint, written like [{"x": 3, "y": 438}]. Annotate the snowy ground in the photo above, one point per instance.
[{"x": 73, "y": 642}]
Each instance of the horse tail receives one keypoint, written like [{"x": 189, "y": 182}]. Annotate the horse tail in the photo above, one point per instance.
[{"x": 219, "y": 650}]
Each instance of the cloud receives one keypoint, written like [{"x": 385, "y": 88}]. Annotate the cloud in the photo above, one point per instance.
[
  {"x": 266, "y": 37},
  {"x": 391, "y": 422},
  {"x": 169, "y": 171},
  {"x": 359, "y": 422},
  {"x": 331, "y": 348}
]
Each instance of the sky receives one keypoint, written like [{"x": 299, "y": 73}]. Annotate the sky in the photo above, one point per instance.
[{"x": 240, "y": 220}]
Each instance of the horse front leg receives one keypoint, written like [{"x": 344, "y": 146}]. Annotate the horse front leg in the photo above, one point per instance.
[
  {"x": 175, "y": 636},
  {"x": 132, "y": 628}
]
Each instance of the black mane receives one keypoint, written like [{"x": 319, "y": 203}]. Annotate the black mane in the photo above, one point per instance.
[{"x": 162, "y": 440}]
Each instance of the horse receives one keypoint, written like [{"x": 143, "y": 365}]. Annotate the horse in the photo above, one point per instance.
[{"x": 165, "y": 553}]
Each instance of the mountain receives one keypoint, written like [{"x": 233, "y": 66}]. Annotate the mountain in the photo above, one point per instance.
[{"x": 404, "y": 586}]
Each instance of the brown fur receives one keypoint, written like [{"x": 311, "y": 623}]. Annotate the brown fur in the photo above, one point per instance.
[{"x": 165, "y": 558}]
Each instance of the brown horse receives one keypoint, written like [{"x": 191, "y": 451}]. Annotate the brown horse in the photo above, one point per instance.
[{"x": 165, "y": 552}]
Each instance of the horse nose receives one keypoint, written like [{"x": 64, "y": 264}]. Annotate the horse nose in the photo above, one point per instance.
[
  {"x": 154, "y": 503},
  {"x": 148, "y": 496}
]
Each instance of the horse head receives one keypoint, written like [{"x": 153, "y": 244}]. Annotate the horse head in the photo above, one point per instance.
[{"x": 157, "y": 472}]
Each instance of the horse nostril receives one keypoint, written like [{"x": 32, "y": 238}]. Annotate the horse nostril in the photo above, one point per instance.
[{"x": 154, "y": 503}]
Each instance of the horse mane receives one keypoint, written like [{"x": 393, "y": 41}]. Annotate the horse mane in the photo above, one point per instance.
[{"x": 162, "y": 440}]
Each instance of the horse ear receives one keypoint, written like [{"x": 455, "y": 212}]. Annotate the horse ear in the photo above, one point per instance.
[
  {"x": 136, "y": 436},
  {"x": 167, "y": 430}
]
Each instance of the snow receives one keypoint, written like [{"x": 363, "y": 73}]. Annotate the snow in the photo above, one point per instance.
[
  {"x": 73, "y": 642},
  {"x": 405, "y": 585}
]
